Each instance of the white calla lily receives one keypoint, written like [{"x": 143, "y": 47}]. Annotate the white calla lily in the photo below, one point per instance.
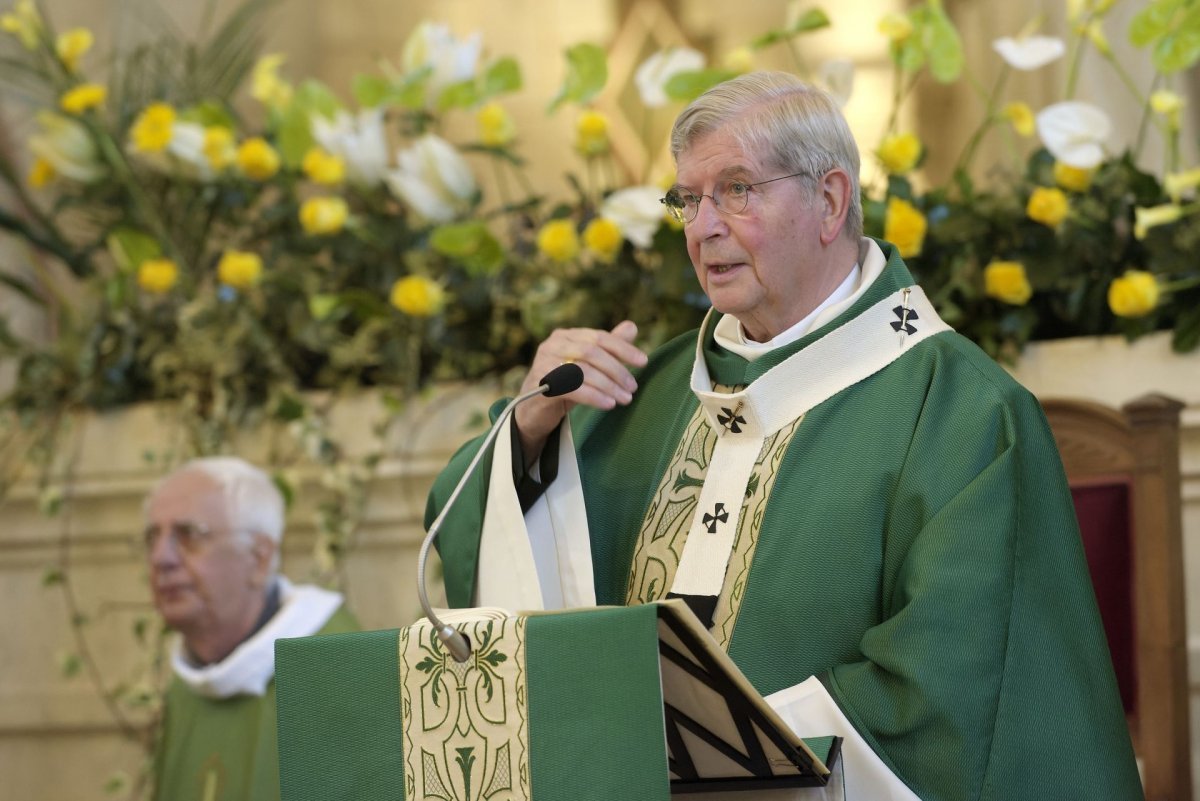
[
  {"x": 652, "y": 76},
  {"x": 64, "y": 144},
  {"x": 449, "y": 58},
  {"x": 1075, "y": 132},
  {"x": 1029, "y": 52},
  {"x": 836, "y": 76},
  {"x": 433, "y": 179},
  {"x": 187, "y": 148},
  {"x": 637, "y": 211},
  {"x": 359, "y": 140}
]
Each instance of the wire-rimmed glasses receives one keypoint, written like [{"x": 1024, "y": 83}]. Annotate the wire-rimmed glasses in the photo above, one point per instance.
[{"x": 730, "y": 197}]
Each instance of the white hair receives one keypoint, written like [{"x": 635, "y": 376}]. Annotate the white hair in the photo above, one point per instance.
[{"x": 251, "y": 499}]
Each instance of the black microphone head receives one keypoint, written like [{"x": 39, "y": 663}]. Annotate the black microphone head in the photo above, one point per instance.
[{"x": 567, "y": 377}]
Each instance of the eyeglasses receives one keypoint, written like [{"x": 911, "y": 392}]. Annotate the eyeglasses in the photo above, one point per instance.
[
  {"x": 730, "y": 197},
  {"x": 189, "y": 537}
]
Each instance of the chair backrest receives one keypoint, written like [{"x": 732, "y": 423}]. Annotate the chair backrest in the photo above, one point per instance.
[{"x": 1123, "y": 467}]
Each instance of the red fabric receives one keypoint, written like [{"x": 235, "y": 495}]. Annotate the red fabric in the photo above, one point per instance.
[{"x": 1105, "y": 523}]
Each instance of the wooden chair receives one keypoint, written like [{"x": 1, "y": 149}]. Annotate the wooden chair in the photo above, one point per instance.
[{"x": 1123, "y": 467}]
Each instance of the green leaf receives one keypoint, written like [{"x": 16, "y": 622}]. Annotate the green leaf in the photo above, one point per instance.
[
  {"x": 811, "y": 20},
  {"x": 315, "y": 97},
  {"x": 502, "y": 76},
  {"x": 130, "y": 247},
  {"x": 1187, "y": 330},
  {"x": 295, "y": 136},
  {"x": 471, "y": 243},
  {"x": 370, "y": 90},
  {"x": 1180, "y": 48},
  {"x": 690, "y": 84},
  {"x": 52, "y": 576},
  {"x": 288, "y": 409},
  {"x": 69, "y": 665},
  {"x": 116, "y": 783},
  {"x": 1153, "y": 21},
  {"x": 462, "y": 94},
  {"x": 944, "y": 46},
  {"x": 587, "y": 72},
  {"x": 285, "y": 489}
]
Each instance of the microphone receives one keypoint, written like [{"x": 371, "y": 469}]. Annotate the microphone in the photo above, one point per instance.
[{"x": 564, "y": 379}]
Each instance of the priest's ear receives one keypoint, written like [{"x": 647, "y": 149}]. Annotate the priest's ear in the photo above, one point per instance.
[
  {"x": 833, "y": 190},
  {"x": 263, "y": 550}
]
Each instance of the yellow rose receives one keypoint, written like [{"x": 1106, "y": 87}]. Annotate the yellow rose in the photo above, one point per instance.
[
  {"x": 257, "y": 160},
  {"x": 904, "y": 226},
  {"x": 151, "y": 131},
  {"x": 496, "y": 126},
  {"x": 71, "y": 46},
  {"x": 82, "y": 98},
  {"x": 558, "y": 240},
  {"x": 1175, "y": 183},
  {"x": 1073, "y": 179},
  {"x": 41, "y": 173},
  {"x": 899, "y": 153},
  {"x": 1020, "y": 116},
  {"x": 323, "y": 168},
  {"x": 239, "y": 269},
  {"x": 265, "y": 84},
  {"x": 1048, "y": 205},
  {"x": 1146, "y": 218},
  {"x": 157, "y": 276},
  {"x": 591, "y": 133},
  {"x": 23, "y": 22},
  {"x": 1006, "y": 281},
  {"x": 218, "y": 147},
  {"x": 418, "y": 296},
  {"x": 323, "y": 215},
  {"x": 896, "y": 27},
  {"x": 1134, "y": 294},
  {"x": 602, "y": 237}
]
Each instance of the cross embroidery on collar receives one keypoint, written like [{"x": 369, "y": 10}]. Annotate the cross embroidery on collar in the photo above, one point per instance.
[
  {"x": 719, "y": 515},
  {"x": 731, "y": 419},
  {"x": 905, "y": 314}
]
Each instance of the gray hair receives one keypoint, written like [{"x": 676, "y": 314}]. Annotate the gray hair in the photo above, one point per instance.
[
  {"x": 254, "y": 504},
  {"x": 796, "y": 127}
]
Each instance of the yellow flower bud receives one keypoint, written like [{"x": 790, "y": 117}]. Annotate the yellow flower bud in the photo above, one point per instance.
[
  {"x": 418, "y": 296},
  {"x": 896, "y": 27},
  {"x": 1006, "y": 281},
  {"x": 151, "y": 131},
  {"x": 602, "y": 237},
  {"x": 218, "y": 147},
  {"x": 899, "y": 153},
  {"x": 1048, "y": 205},
  {"x": 1020, "y": 116},
  {"x": 265, "y": 84},
  {"x": 1176, "y": 183},
  {"x": 558, "y": 240},
  {"x": 1146, "y": 218},
  {"x": 41, "y": 173},
  {"x": 1134, "y": 294},
  {"x": 323, "y": 215},
  {"x": 904, "y": 226},
  {"x": 496, "y": 126},
  {"x": 157, "y": 276},
  {"x": 23, "y": 22},
  {"x": 739, "y": 60},
  {"x": 1168, "y": 104},
  {"x": 323, "y": 168},
  {"x": 1073, "y": 179},
  {"x": 1094, "y": 31},
  {"x": 72, "y": 45},
  {"x": 239, "y": 269},
  {"x": 257, "y": 160},
  {"x": 591, "y": 134},
  {"x": 82, "y": 98}
]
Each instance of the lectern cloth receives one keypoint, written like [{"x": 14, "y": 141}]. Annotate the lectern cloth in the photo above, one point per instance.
[
  {"x": 225, "y": 749},
  {"x": 918, "y": 553}
]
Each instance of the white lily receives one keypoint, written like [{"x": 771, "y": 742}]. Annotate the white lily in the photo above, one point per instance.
[
  {"x": 652, "y": 76},
  {"x": 187, "y": 149},
  {"x": 65, "y": 145},
  {"x": 637, "y": 211},
  {"x": 836, "y": 76},
  {"x": 433, "y": 179},
  {"x": 1029, "y": 52},
  {"x": 451, "y": 59},
  {"x": 359, "y": 140},
  {"x": 1075, "y": 132}
]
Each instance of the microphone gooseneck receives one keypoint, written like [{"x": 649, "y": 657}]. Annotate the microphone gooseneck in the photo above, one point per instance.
[{"x": 562, "y": 380}]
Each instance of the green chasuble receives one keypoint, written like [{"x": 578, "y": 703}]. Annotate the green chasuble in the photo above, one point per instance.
[
  {"x": 223, "y": 749},
  {"x": 918, "y": 553}
]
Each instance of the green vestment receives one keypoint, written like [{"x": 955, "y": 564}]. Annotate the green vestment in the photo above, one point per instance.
[
  {"x": 223, "y": 749},
  {"x": 919, "y": 554}
]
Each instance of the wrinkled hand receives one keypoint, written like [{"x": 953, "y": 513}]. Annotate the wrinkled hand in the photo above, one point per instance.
[{"x": 607, "y": 382}]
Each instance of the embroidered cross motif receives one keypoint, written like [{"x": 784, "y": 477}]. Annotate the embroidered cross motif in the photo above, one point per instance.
[
  {"x": 719, "y": 515},
  {"x": 731, "y": 418},
  {"x": 905, "y": 314}
]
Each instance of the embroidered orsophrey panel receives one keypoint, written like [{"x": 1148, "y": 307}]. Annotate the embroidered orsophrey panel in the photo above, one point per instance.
[{"x": 466, "y": 725}]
